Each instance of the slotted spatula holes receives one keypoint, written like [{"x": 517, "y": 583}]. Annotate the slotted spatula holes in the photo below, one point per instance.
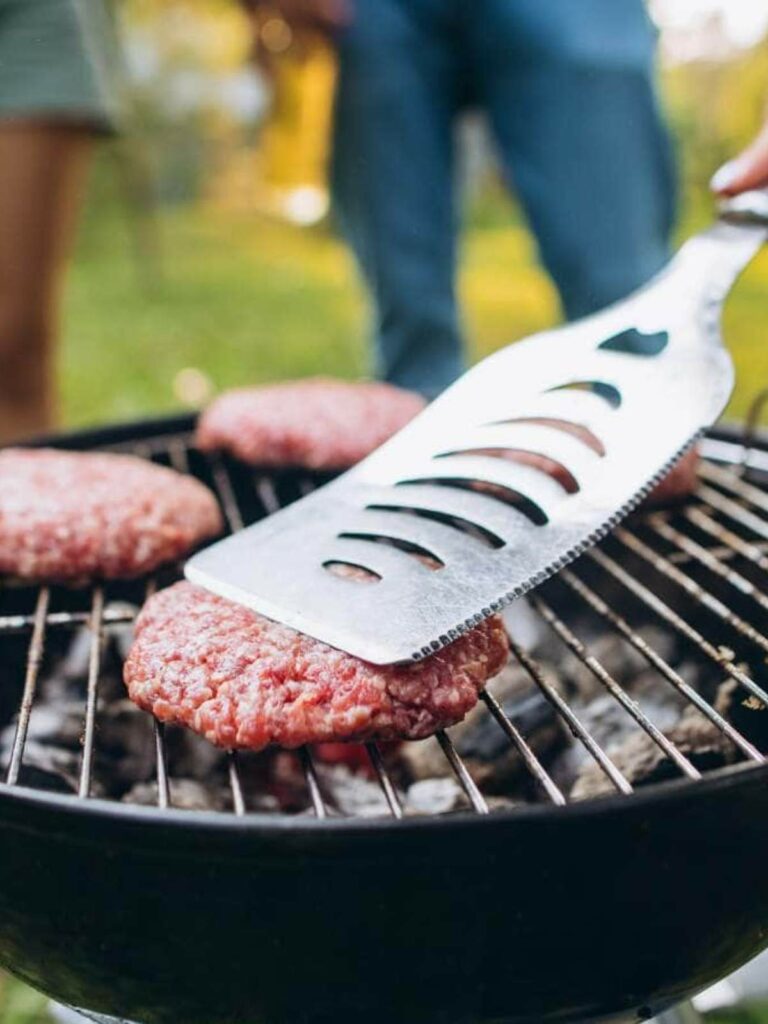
[
  {"x": 524, "y": 457},
  {"x": 608, "y": 392},
  {"x": 579, "y": 431},
  {"x": 351, "y": 571},
  {"x": 465, "y": 526},
  {"x": 514, "y": 499},
  {"x": 634, "y": 342},
  {"x": 421, "y": 554}
]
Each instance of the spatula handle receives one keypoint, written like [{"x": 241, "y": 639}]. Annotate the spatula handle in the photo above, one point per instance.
[{"x": 702, "y": 273}]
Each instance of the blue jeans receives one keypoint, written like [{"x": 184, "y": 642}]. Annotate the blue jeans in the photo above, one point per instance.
[{"x": 568, "y": 88}]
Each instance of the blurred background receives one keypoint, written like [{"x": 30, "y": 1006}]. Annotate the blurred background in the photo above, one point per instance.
[{"x": 207, "y": 257}]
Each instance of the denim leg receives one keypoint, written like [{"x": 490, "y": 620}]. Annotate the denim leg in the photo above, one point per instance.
[
  {"x": 392, "y": 183},
  {"x": 569, "y": 88}
]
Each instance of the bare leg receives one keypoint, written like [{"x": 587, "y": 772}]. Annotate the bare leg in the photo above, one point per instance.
[{"x": 42, "y": 172}]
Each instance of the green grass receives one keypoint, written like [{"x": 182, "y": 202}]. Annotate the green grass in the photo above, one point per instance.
[
  {"x": 243, "y": 299},
  {"x": 757, "y": 1014},
  {"x": 20, "y": 1005},
  {"x": 239, "y": 299}
]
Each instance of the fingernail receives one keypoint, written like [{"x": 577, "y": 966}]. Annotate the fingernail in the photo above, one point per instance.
[{"x": 723, "y": 178}]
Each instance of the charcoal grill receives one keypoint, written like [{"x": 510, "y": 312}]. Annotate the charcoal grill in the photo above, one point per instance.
[{"x": 604, "y": 909}]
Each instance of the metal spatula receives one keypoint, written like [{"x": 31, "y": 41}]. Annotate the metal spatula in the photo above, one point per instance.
[{"x": 446, "y": 530}]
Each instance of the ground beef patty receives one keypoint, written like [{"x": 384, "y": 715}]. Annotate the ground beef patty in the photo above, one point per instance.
[
  {"x": 243, "y": 681},
  {"x": 78, "y": 515},
  {"x": 679, "y": 482},
  {"x": 317, "y": 423}
]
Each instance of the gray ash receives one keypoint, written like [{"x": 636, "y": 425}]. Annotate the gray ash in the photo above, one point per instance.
[
  {"x": 497, "y": 766},
  {"x": 124, "y": 748},
  {"x": 54, "y": 738},
  {"x": 642, "y": 762},
  {"x": 186, "y": 795},
  {"x": 494, "y": 763}
]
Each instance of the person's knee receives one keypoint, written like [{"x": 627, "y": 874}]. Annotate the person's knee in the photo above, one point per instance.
[
  {"x": 594, "y": 33},
  {"x": 587, "y": 285},
  {"x": 379, "y": 30}
]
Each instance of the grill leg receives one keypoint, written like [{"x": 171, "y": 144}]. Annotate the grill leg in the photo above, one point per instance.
[{"x": 685, "y": 1013}]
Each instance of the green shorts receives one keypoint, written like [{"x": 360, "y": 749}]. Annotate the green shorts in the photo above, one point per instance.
[{"x": 59, "y": 59}]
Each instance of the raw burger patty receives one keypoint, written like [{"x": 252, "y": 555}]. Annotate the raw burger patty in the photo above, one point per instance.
[
  {"x": 317, "y": 423},
  {"x": 243, "y": 681},
  {"x": 679, "y": 482},
  {"x": 74, "y": 515}
]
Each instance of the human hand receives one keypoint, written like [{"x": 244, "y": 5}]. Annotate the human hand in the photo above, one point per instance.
[{"x": 746, "y": 171}]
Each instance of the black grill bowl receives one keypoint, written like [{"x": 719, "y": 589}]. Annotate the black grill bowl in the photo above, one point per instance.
[{"x": 609, "y": 908}]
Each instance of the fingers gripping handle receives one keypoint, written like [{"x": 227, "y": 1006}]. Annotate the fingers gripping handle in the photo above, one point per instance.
[{"x": 747, "y": 208}]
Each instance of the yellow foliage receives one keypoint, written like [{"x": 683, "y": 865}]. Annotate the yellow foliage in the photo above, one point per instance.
[
  {"x": 716, "y": 108},
  {"x": 214, "y": 33},
  {"x": 296, "y": 137}
]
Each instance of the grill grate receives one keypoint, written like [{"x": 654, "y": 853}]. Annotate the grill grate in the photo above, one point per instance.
[{"x": 699, "y": 571}]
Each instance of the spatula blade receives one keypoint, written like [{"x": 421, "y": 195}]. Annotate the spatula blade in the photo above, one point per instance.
[{"x": 448, "y": 532}]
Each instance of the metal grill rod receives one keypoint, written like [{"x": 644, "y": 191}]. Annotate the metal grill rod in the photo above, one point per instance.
[
  {"x": 161, "y": 752},
  {"x": 734, "y": 511},
  {"x": 150, "y": 447},
  {"x": 34, "y": 660},
  {"x": 722, "y": 552},
  {"x": 710, "y": 561},
  {"x": 313, "y": 784},
  {"x": 572, "y": 721},
  {"x": 468, "y": 784},
  {"x": 703, "y": 596},
  {"x": 754, "y": 553},
  {"x": 612, "y": 686},
  {"x": 94, "y": 656},
  {"x": 535, "y": 767},
  {"x": 10, "y": 624},
  {"x": 664, "y": 668},
  {"x": 265, "y": 492},
  {"x": 393, "y": 800},
  {"x": 226, "y": 493},
  {"x": 384, "y": 780},
  {"x": 161, "y": 757},
  {"x": 235, "y": 784},
  {"x": 671, "y": 617},
  {"x": 735, "y": 484},
  {"x": 178, "y": 454}
]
